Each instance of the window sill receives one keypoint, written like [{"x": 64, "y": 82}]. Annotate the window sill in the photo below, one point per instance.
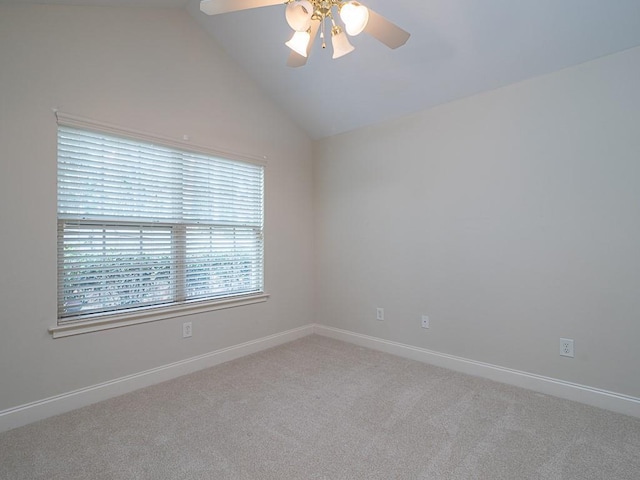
[{"x": 151, "y": 315}]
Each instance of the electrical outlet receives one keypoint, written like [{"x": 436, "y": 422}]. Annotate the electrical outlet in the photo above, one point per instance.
[
  {"x": 187, "y": 329},
  {"x": 380, "y": 314},
  {"x": 566, "y": 347},
  {"x": 425, "y": 321}
]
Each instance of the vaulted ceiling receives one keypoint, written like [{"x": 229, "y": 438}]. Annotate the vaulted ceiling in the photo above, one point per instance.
[{"x": 457, "y": 48}]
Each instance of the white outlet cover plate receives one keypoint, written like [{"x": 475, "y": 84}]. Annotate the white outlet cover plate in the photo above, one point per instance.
[
  {"x": 566, "y": 347},
  {"x": 425, "y": 321},
  {"x": 187, "y": 329}
]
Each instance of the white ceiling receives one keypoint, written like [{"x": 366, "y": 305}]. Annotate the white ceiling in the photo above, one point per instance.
[{"x": 457, "y": 48}]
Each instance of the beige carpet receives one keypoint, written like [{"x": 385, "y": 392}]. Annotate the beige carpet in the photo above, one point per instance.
[{"x": 318, "y": 408}]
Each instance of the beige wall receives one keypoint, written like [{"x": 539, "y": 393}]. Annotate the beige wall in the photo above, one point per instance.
[
  {"x": 152, "y": 70},
  {"x": 512, "y": 218}
]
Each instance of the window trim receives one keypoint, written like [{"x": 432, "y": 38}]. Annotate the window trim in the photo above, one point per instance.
[
  {"x": 103, "y": 321},
  {"x": 100, "y": 321}
]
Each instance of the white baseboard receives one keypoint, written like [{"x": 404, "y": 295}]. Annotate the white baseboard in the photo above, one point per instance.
[
  {"x": 615, "y": 402},
  {"x": 38, "y": 410}
]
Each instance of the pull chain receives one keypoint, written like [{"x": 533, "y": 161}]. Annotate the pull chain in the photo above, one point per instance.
[{"x": 324, "y": 43}]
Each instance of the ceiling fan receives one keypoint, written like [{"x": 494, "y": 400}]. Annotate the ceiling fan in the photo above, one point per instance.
[{"x": 307, "y": 17}]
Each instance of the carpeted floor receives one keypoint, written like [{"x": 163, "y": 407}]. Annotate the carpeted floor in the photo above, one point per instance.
[{"x": 318, "y": 408}]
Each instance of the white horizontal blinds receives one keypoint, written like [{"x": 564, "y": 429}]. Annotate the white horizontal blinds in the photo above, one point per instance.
[
  {"x": 223, "y": 261},
  {"x": 111, "y": 267},
  {"x": 221, "y": 192},
  {"x": 142, "y": 224},
  {"x": 102, "y": 176}
]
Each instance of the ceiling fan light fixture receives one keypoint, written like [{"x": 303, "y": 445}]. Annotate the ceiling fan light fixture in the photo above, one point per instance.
[
  {"x": 355, "y": 17},
  {"x": 308, "y": 17},
  {"x": 299, "y": 42},
  {"x": 340, "y": 42},
  {"x": 298, "y": 14}
]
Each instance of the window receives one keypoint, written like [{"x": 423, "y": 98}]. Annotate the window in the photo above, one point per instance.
[{"x": 144, "y": 226}]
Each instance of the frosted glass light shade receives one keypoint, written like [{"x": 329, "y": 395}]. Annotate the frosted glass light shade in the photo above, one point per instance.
[
  {"x": 298, "y": 15},
  {"x": 299, "y": 43},
  {"x": 355, "y": 17},
  {"x": 341, "y": 45}
]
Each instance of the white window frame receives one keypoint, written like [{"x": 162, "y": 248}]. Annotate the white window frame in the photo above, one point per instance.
[{"x": 102, "y": 321}]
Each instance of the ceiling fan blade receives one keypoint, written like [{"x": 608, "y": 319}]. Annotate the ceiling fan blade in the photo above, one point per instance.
[
  {"x": 214, "y": 7},
  {"x": 297, "y": 60},
  {"x": 386, "y": 32}
]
